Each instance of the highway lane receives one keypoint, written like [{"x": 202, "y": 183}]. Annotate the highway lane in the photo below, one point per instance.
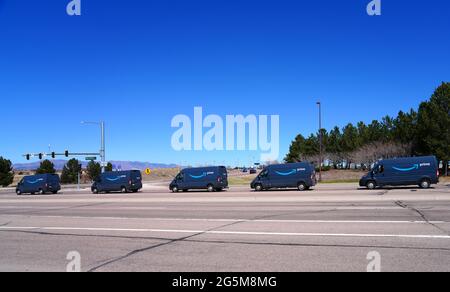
[{"x": 330, "y": 229}]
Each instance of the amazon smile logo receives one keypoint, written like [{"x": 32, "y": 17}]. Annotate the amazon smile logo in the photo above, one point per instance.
[
  {"x": 205, "y": 174},
  {"x": 294, "y": 171},
  {"x": 35, "y": 181},
  {"x": 414, "y": 167},
  {"x": 117, "y": 178},
  {"x": 288, "y": 173}
]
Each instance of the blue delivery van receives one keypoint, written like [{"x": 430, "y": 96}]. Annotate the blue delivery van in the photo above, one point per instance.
[
  {"x": 281, "y": 176},
  {"x": 421, "y": 171},
  {"x": 118, "y": 181},
  {"x": 41, "y": 184},
  {"x": 203, "y": 178}
]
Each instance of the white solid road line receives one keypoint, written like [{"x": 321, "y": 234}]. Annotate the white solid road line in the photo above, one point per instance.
[
  {"x": 17, "y": 228},
  {"x": 237, "y": 220}
]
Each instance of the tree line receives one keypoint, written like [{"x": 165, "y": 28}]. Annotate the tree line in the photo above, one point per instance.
[
  {"x": 72, "y": 169},
  {"x": 414, "y": 133},
  {"x": 69, "y": 174}
]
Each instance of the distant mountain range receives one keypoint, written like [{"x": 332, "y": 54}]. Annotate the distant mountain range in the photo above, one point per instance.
[{"x": 123, "y": 165}]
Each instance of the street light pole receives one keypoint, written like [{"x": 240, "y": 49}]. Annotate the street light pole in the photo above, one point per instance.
[
  {"x": 320, "y": 140},
  {"x": 102, "y": 142}
]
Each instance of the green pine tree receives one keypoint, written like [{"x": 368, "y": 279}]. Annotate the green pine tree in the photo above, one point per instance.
[
  {"x": 70, "y": 172},
  {"x": 433, "y": 126},
  {"x": 94, "y": 170},
  {"x": 6, "y": 172},
  {"x": 46, "y": 167}
]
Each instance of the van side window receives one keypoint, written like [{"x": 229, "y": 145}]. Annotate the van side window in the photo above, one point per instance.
[{"x": 381, "y": 169}]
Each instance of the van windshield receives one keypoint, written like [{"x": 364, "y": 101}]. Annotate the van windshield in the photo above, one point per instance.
[{"x": 264, "y": 173}]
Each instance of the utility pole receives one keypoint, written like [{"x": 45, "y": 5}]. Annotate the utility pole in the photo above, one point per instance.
[{"x": 320, "y": 140}]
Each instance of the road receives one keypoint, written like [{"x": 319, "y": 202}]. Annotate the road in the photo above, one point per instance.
[{"x": 332, "y": 228}]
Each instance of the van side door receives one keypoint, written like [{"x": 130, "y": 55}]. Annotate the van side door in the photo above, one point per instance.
[
  {"x": 25, "y": 185},
  {"x": 180, "y": 180},
  {"x": 380, "y": 175},
  {"x": 107, "y": 184},
  {"x": 265, "y": 179}
]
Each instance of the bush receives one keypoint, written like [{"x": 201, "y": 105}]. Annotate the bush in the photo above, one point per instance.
[{"x": 324, "y": 168}]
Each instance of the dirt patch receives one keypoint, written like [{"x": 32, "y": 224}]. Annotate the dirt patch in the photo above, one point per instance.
[
  {"x": 159, "y": 174},
  {"x": 332, "y": 176},
  {"x": 342, "y": 175}
]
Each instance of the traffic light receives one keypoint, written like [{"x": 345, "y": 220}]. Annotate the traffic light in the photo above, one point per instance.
[
  {"x": 40, "y": 156},
  {"x": 66, "y": 153},
  {"x": 28, "y": 156},
  {"x": 53, "y": 155}
]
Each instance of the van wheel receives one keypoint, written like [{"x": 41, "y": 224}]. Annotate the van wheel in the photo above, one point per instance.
[
  {"x": 258, "y": 188},
  {"x": 41, "y": 192},
  {"x": 18, "y": 192},
  {"x": 301, "y": 187},
  {"x": 371, "y": 185},
  {"x": 55, "y": 192},
  {"x": 95, "y": 191},
  {"x": 124, "y": 190},
  {"x": 425, "y": 184},
  {"x": 210, "y": 188},
  {"x": 175, "y": 189}
]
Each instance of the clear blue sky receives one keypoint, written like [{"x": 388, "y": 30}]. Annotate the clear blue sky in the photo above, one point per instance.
[{"x": 136, "y": 64}]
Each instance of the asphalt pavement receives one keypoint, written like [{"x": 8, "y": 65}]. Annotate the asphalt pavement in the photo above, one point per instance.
[{"x": 336, "y": 227}]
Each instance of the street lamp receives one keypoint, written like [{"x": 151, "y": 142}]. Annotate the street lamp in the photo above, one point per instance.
[
  {"x": 320, "y": 140},
  {"x": 102, "y": 143}
]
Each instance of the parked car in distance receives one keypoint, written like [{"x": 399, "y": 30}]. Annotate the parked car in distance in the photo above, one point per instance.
[
  {"x": 202, "y": 178},
  {"x": 118, "y": 181},
  {"x": 253, "y": 171},
  {"x": 281, "y": 176},
  {"x": 421, "y": 171},
  {"x": 41, "y": 184}
]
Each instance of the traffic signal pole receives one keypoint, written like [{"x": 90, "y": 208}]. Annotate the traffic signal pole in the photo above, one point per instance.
[
  {"x": 103, "y": 150},
  {"x": 320, "y": 141},
  {"x": 102, "y": 142},
  {"x": 54, "y": 154}
]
